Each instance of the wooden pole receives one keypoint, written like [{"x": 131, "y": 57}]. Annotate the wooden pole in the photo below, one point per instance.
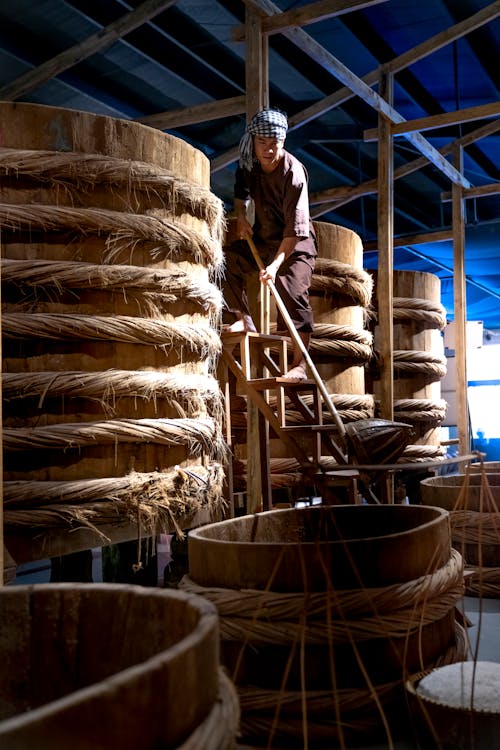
[
  {"x": 460, "y": 307},
  {"x": 298, "y": 341},
  {"x": 257, "y": 97},
  {"x": 385, "y": 218},
  {"x": 385, "y": 232}
]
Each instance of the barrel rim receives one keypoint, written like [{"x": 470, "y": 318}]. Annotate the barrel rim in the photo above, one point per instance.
[
  {"x": 108, "y": 686},
  {"x": 200, "y": 533}
]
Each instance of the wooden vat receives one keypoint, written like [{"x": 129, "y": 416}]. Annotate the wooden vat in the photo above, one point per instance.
[
  {"x": 340, "y": 295},
  {"x": 419, "y": 361},
  {"x": 96, "y": 666},
  {"x": 448, "y": 491},
  {"x": 302, "y": 622},
  {"x": 473, "y": 502},
  {"x": 110, "y": 239}
]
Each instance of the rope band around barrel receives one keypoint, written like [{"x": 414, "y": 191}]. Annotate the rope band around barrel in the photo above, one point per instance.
[
  {"x": 124, "y": 231},
  {"x": 84, "y": 171},
  {"x": 176, "y": 283},
  {"x": 474, "y": 527},
  {"x": 160, "y": 499},
  {"x": 271, "y": 617},
  {"x": 220, "y": 727},
  {"x": 199, "y": 434},
  {"x": 121, "y": 328},
  {"x": 425, "y": 363},
  {"x": 330, "y": 713},
  {"x": 425, "y": 311},
  {"x": 333, "y": 277},
  {"x": 189, "y": 388}
]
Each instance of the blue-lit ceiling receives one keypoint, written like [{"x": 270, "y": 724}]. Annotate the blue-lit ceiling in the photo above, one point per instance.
[{"x": 187, "y": 55}]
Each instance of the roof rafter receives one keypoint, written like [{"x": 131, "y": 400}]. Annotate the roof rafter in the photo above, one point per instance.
[
  {"x": 359, "y": 87},
  {"x": 70, "y": 57}
]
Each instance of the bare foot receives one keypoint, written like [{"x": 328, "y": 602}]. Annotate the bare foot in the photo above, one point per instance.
[
  {"x": 245, "y": 323},
  {"x": 299, "y": 372}
]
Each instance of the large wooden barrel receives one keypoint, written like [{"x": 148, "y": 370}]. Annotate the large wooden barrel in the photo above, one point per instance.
[
  {"x": 473, "y": 501},
  {"x": 110, "y": 242},
  {"x": 324, "y": 610},
  {"x": 419, "y": 361},
  {"x": 98, "y": 666},
  {"x": 340, "y": 295}
]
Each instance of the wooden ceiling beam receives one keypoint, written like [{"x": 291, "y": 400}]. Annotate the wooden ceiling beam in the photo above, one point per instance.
[
  {"x": 343, "y": 194},
  {"x": 436, "y": 42},
  {"x": 311, "y": 13},
  {"x": 414, "y": 239},
  {"x": 480, "y": 112},
  {"x": 396, "y": 64},
  {"x": 480, "y": 191},
  {"x": 95, "y": 43},
  {"x": 176, "y": 118},
  {"x": 324, "y": 58}
]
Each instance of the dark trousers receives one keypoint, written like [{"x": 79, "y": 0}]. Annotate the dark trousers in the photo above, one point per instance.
[{"x": 292, "y": 282}]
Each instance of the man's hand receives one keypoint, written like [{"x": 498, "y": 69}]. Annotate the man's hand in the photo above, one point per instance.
[
  {"x": 243, "y": 228},
  {"x": 269, "y": 273}
]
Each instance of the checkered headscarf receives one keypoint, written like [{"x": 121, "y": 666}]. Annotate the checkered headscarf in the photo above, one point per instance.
[{"x": 268, "y": 123}]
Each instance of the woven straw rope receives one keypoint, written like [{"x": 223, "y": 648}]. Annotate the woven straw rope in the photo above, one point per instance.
[
  {"x": 83, "y": 171},
  {"x": 334, "y": 277},
  {"x": 153, "y": 496},
  {"x": 270, "y": 617},
  {"x": 330, "y": 713},
  {"x": 154, "y": 499},
  {"x": 478, "y": 527},
  {"x": 110, "y": 384},
  {"x": 482, "y": 581},
  {"x": 199, "y": 434},
  {"x": 123, "y": 328},
  {"x": 124, "y": 231},
  {"x": 167, "y": 283},
  {"x": 420, "y": 310}
]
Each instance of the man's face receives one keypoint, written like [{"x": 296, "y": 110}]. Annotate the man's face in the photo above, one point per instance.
[{"x": 269, "y": 152}]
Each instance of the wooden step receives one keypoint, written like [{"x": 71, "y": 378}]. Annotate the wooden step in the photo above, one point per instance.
[
  {"x": 268, "y": 384},
  {"x": 310, "y": 428},
  {"x": 254, "y": 337}
]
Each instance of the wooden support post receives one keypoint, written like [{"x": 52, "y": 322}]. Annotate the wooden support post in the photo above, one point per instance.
[
  {"x": 460, "y": 308},
  {"x": 257, "y": 97},
  {"x": 3, "y": 557},
  {"x": 257, "y": 66},
  {"x": 385, "y": 232},
  {"x": 386, "y": 254}
]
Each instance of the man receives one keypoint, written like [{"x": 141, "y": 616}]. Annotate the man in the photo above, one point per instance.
[{"x": 283, "y": 232}]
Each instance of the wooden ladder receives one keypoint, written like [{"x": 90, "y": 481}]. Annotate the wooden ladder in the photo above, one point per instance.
[{"x": 258, "y": 376}]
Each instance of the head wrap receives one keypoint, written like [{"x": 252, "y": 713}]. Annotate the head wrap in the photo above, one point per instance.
[{"x": 268, "y": 123}]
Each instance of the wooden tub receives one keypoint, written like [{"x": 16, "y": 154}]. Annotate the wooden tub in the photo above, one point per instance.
[
  {"x": 473, "y": 502},
  {"x": 311, "y": 606},
  {"x": 100, "y": 666}
]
